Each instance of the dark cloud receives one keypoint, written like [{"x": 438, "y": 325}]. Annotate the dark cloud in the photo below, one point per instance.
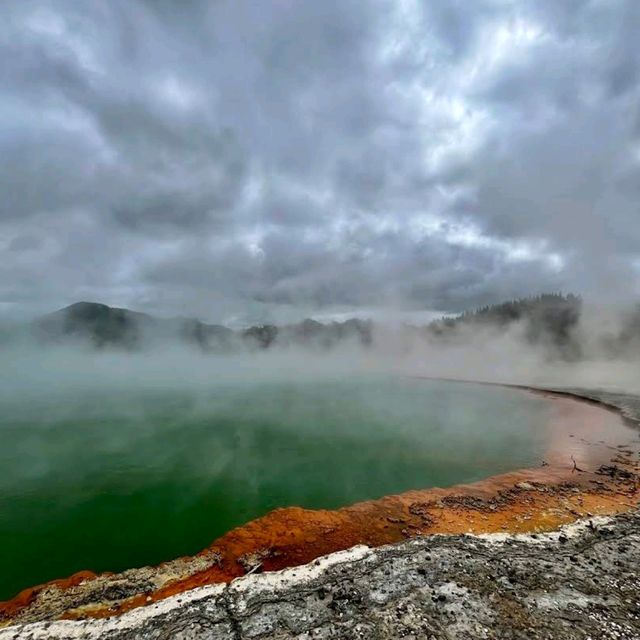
[{"x": 243, "y": 163}]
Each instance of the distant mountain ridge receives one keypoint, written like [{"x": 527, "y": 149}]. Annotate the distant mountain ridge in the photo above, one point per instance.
[
  {"x": 550, "y": 318},
  {"x": 549, "y": 321},
  {"x": 103, "y": 326}
]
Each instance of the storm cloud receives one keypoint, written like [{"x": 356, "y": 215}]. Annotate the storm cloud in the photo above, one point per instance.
[{"x": 251, "y": 162}]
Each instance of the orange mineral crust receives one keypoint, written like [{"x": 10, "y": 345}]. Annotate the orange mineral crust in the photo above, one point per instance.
[{"x": 591, "y": 468}]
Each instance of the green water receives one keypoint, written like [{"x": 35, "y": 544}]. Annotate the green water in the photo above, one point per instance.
[{"x": 107, "y": 480}]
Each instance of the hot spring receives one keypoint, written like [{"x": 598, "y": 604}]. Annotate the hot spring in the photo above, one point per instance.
[{"x": 123, "y": 476}]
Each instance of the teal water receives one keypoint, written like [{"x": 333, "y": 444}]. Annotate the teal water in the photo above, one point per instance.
[{"x": 106, "y": 481}]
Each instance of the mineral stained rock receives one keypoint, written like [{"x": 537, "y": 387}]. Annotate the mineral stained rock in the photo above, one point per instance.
[{"x": 582, "y": 581}]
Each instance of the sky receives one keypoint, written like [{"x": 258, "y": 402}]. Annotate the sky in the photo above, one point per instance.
[{"x": 247, "y": 162}]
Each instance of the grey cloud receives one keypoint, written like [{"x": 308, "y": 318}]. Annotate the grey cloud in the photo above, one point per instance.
[
  {"x": 25, "y": 243},
  {"x": 213, "y": 159}
]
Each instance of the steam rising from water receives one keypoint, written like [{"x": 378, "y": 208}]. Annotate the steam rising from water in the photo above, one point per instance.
[
  {"x": 113, "y": 475},
  {"x": 503, "y": 354},
  {"x": 478, "y": 352},
  {"x": 116, "y": 459}
]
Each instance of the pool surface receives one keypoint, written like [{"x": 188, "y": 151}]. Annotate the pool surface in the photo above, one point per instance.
[{"x": 123, "y": 477}]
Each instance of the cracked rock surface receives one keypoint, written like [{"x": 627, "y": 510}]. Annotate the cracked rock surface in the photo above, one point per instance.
[{"x": 582, "y": 581}]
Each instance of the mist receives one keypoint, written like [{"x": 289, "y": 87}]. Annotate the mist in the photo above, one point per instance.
[
  {"x": 599, "y": 349},
  {"x": 505, "y": 355},
  {"x": 117, "y": 458}
]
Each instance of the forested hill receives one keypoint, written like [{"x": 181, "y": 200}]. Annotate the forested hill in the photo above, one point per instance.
[
  {"x": 551, "y": 318},
  {"x": 550, "y": 321},
  {"x": 548, "y": 307},
  {"x": 101, "y": 326}
]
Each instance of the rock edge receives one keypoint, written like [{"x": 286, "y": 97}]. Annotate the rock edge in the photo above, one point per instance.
[{"x": 581, "y": 581}]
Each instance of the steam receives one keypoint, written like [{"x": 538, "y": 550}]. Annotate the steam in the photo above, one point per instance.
[
  {"x": 504, "y": 355},
  {"x": 601, "y": 350},
  {"x": 189, "y": 443}
]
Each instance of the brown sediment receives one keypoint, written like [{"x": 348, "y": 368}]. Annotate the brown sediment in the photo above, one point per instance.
[{"x": 591, "y": 468}]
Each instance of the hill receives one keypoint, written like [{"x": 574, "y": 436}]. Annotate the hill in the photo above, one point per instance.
[
  {"x": 549, "y": 319},
  {"x": 549, "y": 322},
  {"x": 102, "y": 326}
]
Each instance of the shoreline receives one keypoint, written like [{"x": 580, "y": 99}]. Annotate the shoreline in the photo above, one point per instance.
[
  {"x": 593, "y": 397},
  {"x": 533, "y": 500},
  {"x": 577, "y": 582}
]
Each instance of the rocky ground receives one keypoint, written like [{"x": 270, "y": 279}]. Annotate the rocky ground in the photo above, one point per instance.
[{"x": 580, "y": 582}]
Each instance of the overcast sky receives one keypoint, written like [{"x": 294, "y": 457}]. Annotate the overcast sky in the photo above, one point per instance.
[{"x": 246, "y": 161}]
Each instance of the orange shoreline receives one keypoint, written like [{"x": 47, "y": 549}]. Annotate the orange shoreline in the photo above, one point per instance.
[{"x": 591, "y": 468}]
